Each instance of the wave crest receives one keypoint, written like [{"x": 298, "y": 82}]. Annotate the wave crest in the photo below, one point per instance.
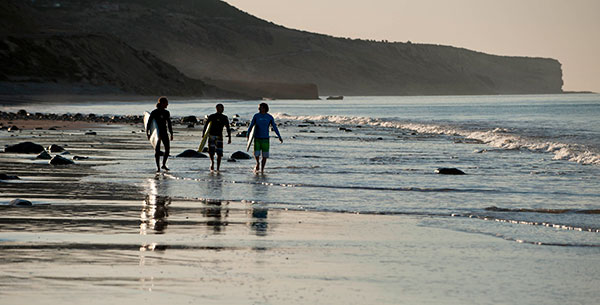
[{"x": 497, "y": 137}]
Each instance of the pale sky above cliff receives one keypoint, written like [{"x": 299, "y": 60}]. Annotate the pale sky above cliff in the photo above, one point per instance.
[{"x": 568, "y": 31}]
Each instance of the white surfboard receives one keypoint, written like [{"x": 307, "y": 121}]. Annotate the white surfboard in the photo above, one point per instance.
[
  {"x": 153, "y": 129},
  {"x": 250, "y": 138},
  {"x": 205, "y": 137}
]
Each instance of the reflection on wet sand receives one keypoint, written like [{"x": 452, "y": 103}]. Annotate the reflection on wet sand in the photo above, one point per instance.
[
  {"x": 155, "y": 210},
  {"x": 216, "y": 215},
  {"x": 259, "y": 224},
  {"x": 154, "y": 214}
]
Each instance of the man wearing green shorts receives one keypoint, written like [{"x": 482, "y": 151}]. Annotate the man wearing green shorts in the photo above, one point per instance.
[{"x": 261, "y": 122}]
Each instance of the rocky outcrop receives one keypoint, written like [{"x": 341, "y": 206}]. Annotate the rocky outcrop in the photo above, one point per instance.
[
  {"x": 20, "y": 202},
  {"x": 59, "y": 160},
  {"x": 240, "y": 155},
  {"x": 4, "y": 176},
  {"x": 44, "y": 155},
  {"x": 24, "y": 148},
  {"x": 190, "y": 153},
  {"x": 55, "y": 148},
  {"x": 449, "y": 171}
]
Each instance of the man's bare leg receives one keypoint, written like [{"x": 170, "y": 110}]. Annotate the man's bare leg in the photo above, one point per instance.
[
  {"x": 264, "y": 161},
  {"x": 257, "y": 167}
]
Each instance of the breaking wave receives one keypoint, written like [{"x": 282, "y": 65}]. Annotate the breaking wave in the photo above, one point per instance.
[{"x": 496, "y": 137}]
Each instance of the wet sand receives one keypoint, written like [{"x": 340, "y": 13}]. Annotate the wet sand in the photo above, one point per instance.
[{"x": 93, "y": 241}]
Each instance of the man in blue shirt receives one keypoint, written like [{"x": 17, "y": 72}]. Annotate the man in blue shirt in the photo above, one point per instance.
[{"x": 261, "y": 122}]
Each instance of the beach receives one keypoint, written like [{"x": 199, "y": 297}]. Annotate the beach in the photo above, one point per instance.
[{"x": 109, "y": 230}]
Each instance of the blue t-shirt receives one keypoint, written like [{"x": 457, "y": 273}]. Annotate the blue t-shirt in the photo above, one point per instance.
[{"x": 262, "y": 122}]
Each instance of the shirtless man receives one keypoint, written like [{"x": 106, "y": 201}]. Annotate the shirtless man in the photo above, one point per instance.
[{"x": 163, "y": 120}]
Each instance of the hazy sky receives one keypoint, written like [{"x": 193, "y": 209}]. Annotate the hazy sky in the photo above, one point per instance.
[{"x": 567, "y": 30}]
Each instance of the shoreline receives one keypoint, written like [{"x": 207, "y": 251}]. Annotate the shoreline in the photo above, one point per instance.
[{"x": 90, "y": 238}]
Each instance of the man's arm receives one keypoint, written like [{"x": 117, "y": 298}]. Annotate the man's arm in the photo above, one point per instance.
[
  {"x": 228, "y": 130},
  {"x": 275, "y": 129}
]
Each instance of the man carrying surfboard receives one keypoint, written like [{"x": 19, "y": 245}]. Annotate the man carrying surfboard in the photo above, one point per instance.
[
  {"x": 162, "y": 117},
  {"x": 260, "y": 122},
  {"x": 216, "y": 121}
]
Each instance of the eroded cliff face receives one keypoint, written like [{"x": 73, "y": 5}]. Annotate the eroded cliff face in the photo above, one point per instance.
[
  {"x": 208, "y": 39},
  {"x": 91, "y": 60}
]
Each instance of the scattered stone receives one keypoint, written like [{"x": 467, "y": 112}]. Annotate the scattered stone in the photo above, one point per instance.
[
  {"x": 80, "y": 158},
  {"x": 25, "y": 148},
  {"x": 44, "y": 156},
  {"x": 240, "y": 155},
  {"x": 190, "y": 153},
  {"x": 13, "y": 128},
  {"x": 190, "y": 119},
  {"x": 8, "y": 177},
  {"x": 449, "y": 171},
  {"x": 59, "y": 160},
  {"x": 55, "y": 148},
  {"x": 20, "y": 202},
  {"x": 90, "y": 133},
  {"x": 65, "y": 153}
]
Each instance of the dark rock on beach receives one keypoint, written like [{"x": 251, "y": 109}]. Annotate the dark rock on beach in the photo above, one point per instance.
[
  {"x": 55, "y": 148},
  {"x": 242, "y": 134},
  {"x": 44, "y": 156},
  {"x": 80, "y": 158},
  {"x": 190, "y": 119},
  {"x": 8, "y": 177},
  {"x": 449, "y": 171},
  {"x": 231, "y": 160},
  {"x": 240, "y": 155},
  {"x": 90, "y": 133},
  {"x": 20, "y": 202},
  {"x": 190, "y": 153},
  {"x": 25, "y": 148},
  {"x": 59, "y": 160}
]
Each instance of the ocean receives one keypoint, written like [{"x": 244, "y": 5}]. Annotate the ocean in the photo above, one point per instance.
[{"x": 532, "y": 162}]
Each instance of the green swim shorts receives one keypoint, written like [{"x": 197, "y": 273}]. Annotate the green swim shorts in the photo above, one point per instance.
[{"x": 261, "y": 145}]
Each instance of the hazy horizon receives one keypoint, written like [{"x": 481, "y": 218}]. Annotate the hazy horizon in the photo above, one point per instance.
[{"x": 565, "y": 31}]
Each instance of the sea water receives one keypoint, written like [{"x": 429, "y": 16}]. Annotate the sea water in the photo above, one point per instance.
[{"x": 532, "y": 162}]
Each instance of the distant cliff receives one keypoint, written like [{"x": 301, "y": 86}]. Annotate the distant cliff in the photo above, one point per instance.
[{"x": 211, "y": 40}]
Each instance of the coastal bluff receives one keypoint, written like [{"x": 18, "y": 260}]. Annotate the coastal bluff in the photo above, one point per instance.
[{"x": 212, "y": 44}]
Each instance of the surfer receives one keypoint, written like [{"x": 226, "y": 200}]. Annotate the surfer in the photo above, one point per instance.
[
  {"x": 261, "y": 122},
  {"x": 163, "y": 120},
  {"x": 215, "y": 135}
]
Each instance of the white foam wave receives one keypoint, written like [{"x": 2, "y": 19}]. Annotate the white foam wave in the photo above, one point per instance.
[{"x": 498, "y": 137}]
